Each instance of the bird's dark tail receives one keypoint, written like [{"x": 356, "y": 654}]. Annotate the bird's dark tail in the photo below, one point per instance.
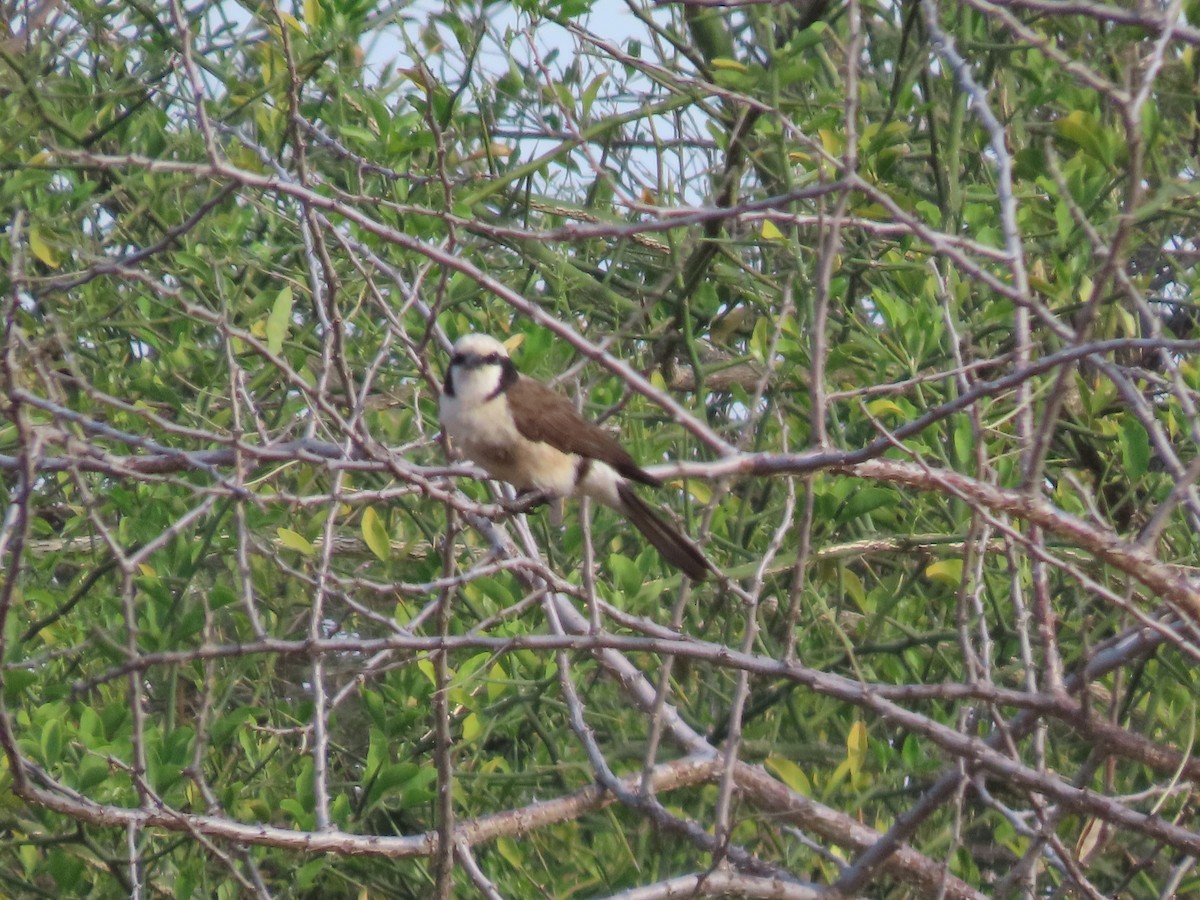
[{"x": 673, "y": 546}]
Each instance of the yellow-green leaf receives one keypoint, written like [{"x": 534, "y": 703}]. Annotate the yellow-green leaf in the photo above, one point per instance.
[
  {"x": 29, "y": 856},
  {"x": 292, "y": 22},
  {"x": 1126, "y": 324},
  {"x": 1135, "y": 447},
  {"x": 425, "y": 666},
  {"x": 42, "y": 250},
  {"x": 52, "y": 741},
  {"x": 760, "y": 339},
  {"x": 1082, "y": 129},
  {"x": 701, "y": 491},
  {"x": 729, "y": 64},
  {"x": 876, "y": 211},
  {"x": 279, "y": 320},
  {"x": 856, "y": 748},
  {"x": 375, "y": 534},
  {"x": 831, "y": 142},
  {"x": 471, "y": 727},
  {"x": 853, "y": 586},
  {"x": 946, "y": 571},
  {"x": 840, "y": 773},
  {"x": 295, "y": 541},
  {"x": 770, "y": 231},
  {"x": 882, "y": 405},
  {"x": 497, "y": 683},
  {"x": 809, "y": 37},
  {"x": 510, "y": 851},
  {"x": 789, "y": 773}
]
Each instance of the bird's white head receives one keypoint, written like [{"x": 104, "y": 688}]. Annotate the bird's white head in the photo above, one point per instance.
[{"x": 480, "y": 370}]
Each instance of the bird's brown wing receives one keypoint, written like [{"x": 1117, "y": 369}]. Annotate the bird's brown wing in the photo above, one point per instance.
[{"x": 542, "y": 415}]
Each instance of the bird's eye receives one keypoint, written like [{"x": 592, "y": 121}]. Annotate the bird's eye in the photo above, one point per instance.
[
  {"x": 492, "y": 359},
  {"x": 458, "y": 359}
]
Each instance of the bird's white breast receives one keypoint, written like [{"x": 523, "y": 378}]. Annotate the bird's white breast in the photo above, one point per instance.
[{"x": 484, "y": 430}]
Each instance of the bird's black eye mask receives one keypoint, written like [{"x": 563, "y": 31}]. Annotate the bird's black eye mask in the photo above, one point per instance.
[
  {"x": 508, "y": 370},
  {"x": 475, "y": 361}
]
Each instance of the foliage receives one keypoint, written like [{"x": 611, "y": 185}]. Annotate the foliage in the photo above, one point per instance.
[{"x": 899, "y": 298}]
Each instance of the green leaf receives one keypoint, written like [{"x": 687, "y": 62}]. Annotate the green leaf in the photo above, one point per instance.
[
  {"x": 1082, "y": 129},
  {"x": 1135, "y": 447},
  {"x": 375, "y": 534},
  {"x": 43, "y": 250},
  {"x": 590, "y": 93},
  {"x": 853, "y": 586},
  {"x": 425, "y": 665},
  {"x": 91, "y": 728},
  {"x": 279, "y": 320},
  {"x": 472, "y": 728},
  {"x": 226, "y": 726},
  {"x": 1063, "y": 222},
  {"x": 700, "y": 491},
  {"x": 510, "y": 851},
  {"x": 30, "y": 856},
  {"x": 375, "y": 706},
  {"x": 304, "y": 789},
  {"x": 390, "y": 780},
  {"x": 626, "y": 576},
  {"x": 377, "y": 752},
  {"x": 498, "y": 592},
  {"x": 856, "y": 747},
  {"x": 497, "y": 683},
  {"x": 66, "y": 869},
  {"x": 731, "y": 74},
  {"x": 809, "y": 37},
  {"x": 884, "y": 406},
  {"x": 770, "y": 231},
  {"x": 294, "y": 541},
  {"x": 17, "y": 681},
  {"x": 910, "y": 752},
  {"x": 760, "y": 339},
  {"x": 306, "y": 875},
  {"x": 865, "y": 500},
  {"x": 417, "y": 790},
  {"x": 92, "y": 771},
  {"x": 296, "y": 810},
  {"x": 52, "y": 741},
  {"x": 221, "y": 595},
  {"x": 789, "y": 773},
  {"x": 706, "y": 301},
  {"x": 964, "y": 449},
  {"x": 728, "y": 64},
  {"x": 945, "y": 571},
  {"x": 340, "y": 810}
]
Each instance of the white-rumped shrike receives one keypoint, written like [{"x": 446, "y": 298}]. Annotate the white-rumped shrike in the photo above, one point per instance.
[{"x": 522, "y": 432}]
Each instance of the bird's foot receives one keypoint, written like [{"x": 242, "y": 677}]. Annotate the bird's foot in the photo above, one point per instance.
[{"x": 525, "y": 501}]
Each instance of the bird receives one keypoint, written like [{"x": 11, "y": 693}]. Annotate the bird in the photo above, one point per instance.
[{"x": 520, "y": 431}]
